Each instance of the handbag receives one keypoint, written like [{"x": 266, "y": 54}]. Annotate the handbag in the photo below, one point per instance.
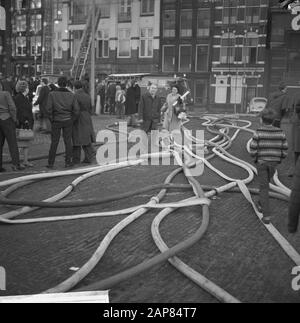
[{"x": 25, "y": 134}]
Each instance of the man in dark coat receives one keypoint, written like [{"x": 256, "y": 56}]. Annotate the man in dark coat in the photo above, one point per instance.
[
  {"x": 63, "y": 110},
  {"x": 83, "y": 131},
  {"x": 278, "y": 102},
  {"x": 23, "y": 105},
  {"x": 130, "y": 104},
  {"x": 111, "y": 97},
  {"x": 294, "y": 208},
  {"x": 150, "y": 109},
  {"x": 42, "y": 102}
]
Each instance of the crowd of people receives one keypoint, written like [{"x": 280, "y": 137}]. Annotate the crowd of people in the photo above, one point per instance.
[
  {"x": 65, "y": 108},
  {"x": 120, "y": 99}
]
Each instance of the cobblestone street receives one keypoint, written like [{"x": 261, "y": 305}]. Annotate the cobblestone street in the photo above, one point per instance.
[{"x": 237, "y": 253}]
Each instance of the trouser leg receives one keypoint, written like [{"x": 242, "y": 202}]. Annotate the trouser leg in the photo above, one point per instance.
[
  {"x": 55, "y": 136},
  {"x": 9, "y": 130},
  {"x": 67, "y": 134},
  {"x": 88, "y": 152},
  {"x": 264, "y": 189},
  {"x": 76, "y": 155},
  {"x": 2, "y": 140},
  {"x": 297, "y": 155},
  {"x": 294, "y": 212}
]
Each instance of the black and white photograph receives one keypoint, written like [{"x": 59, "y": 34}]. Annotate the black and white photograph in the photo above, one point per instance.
[{"x": 149, "y": 154}]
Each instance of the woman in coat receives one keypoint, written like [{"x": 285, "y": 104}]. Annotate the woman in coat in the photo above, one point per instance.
[
  {"x": 171, "y": 109},
  {"x": 25, "y": 118},
  {"x": 83, "y": 130},
  {"x": 8, "y": 119}
]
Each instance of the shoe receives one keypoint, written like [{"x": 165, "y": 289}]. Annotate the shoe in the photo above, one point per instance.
[
  {"x": 266, "y": 220},
  {"x": 2, "y": 170},
  {"x": 86, "y": 162},
  {"x": 28, "y": 165},
  {"x": 15, "y": 168},
  {"x": 71, "y": 165},
  {"x": 50, "y": 166}
]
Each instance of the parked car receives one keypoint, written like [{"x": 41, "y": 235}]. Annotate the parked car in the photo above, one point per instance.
[{"x": 257, "y": 105}]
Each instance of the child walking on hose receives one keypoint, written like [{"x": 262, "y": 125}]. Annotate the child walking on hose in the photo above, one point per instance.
[{"x": 268, "y": 147}]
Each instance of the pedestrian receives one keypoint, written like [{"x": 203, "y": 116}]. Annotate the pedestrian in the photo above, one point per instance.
[
  {"x": 295, "y": 121},
  {"x": 294, "y": 205},
  {"x": 120, "y": 102},
  {"x": 138, "y": 92},
  {"x": 8, "y": 120},
  {"x": 111, "y": 97},
  {"x": 268, "y": 147},
  {"x": 63, "y": 110},
  {"x": 101, "y": 89},
  {"x": 41, "y": 101},
  {"x": 172, "y": 108},
  {"x": 25, "y": 120},
  {"x": 83, "y": 130},
  {"x": 279, "y": 102},
  {"x": 8, "y": 85},
  {"x": 150, "y": 109},
  {"x": 130, "y": 105}
]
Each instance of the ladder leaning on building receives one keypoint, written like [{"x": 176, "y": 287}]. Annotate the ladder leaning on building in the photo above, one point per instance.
[{"x": 81, "y": 58}]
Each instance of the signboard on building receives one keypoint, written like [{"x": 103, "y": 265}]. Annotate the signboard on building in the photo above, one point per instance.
[{"x": 2, "y": 18}]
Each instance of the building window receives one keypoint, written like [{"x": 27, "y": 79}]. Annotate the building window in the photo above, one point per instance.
[
  {"x": 36, "y": 45},
  {"x": 252, "y": 15},
  {"x": 185, "y": 58},
  {"x": 57, "y": 45},
  {"x": 147, "y": 7},
  {"x": 186, "y": 23},
  {"x": 169, "y": 23},
  {"x": 236, "y": 90},
  {"x": 79, "y": 11},
  {"x": 124, "y": 43},
  {"x": 203, "y": 23},
  {"x": 227, "y": 48},
  {"x": 202, "y": 58},
  {"x": 36, "y": 23},
  {"x": 125, "y": 11},
  {"x": 21, "y": 47},
  {"x": 229, "y": 16},
  {"x": 35, "y": 4},
  {"x": 201, "y": 92},
  {"x": 103, "y": 44},
  {"x": 77, "y": 35},
  {"x": 21, "y": 23},
  {"x": 105, "y": 11},
  {"x": 58, "y": 10},
  {"x": 20, "y": 4},
  {"x": 250, "y": 49},
  {"x": 169, "y": 58},
  {"x": 146, "y": 42}
]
